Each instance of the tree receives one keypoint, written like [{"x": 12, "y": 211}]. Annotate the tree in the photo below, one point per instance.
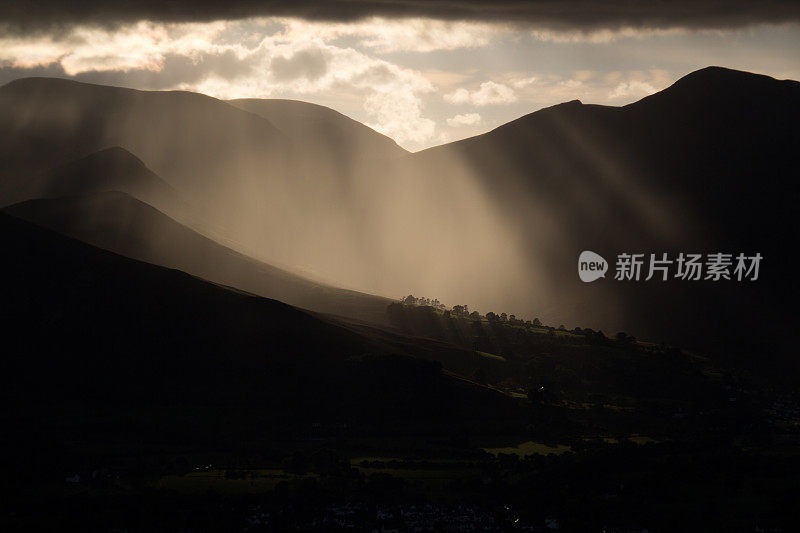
[
  {"x": 624, "y": 338},
  {"x": 537, "y": 322},
  {"x": 461, "y": 310},
  {"x": 491, "y": 316},
  {"x": 410, "y": 300},
  {"x": 503, "y": 317}
]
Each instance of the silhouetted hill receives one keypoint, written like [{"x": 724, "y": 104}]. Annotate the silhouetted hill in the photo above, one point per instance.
[
  {"x": 111, "y": 169},
  {"x": 120, "y": 223},
  {"x": 86, "y": 331}
]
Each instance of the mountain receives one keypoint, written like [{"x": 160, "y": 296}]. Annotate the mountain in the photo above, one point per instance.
[
  {"x": 707, "y": 165},
  {"x": 120, "y": 223},
  {"x": 193, "y": 141},
  {"x": 180, "y": 361},
  {"x": 252, "y": 182},
  {"x": 496, "y": 221},
  {"x": 338, "y": 135},
  {"x": 111, "y": 169}
]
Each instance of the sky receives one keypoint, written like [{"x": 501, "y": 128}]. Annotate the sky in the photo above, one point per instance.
[{"x": 422, "y": 77}]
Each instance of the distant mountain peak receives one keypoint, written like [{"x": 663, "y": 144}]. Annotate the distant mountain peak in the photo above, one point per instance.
[
  {"x": 717, "y": 77},
  {"x": 42, "y": 84},
  {"x": 114, "y": 161},
  {"x": 113, "y": 154},
  {"x": 41, "y": 80},
  {"x": 112, "y": 168},
  {"x": 716, "y": 85}
]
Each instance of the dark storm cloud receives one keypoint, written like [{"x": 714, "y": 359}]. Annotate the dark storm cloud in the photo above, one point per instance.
[{"x": 47, "y": 15}]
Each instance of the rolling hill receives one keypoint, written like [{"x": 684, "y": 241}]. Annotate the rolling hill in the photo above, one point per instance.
[
  {"x": 118, "y": 222},
  {"x": 111, "y": 169},
  {"x": 87, "y": 331}
]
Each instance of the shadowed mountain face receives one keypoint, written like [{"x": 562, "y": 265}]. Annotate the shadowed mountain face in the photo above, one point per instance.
[
  {"x": 120, "y": 223},
  {"x": 90, "y": 327},
  {"x": 707, "y": 165}
]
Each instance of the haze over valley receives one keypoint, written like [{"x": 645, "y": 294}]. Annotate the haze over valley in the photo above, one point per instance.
[{"x": 496, "y": 221}]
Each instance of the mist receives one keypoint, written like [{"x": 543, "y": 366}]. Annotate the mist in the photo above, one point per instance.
[
  {"x": 495, "y": 222},
  {"x": 349, "y": 210}
]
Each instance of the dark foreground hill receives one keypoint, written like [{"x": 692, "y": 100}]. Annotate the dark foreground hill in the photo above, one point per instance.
[
  {"x": 99, "y": 348},
  {"x": 142, "y": 398}
]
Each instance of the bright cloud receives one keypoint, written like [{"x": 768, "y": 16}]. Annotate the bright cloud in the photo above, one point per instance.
[
  {"x": 467, "y": 119},
  {"x": 489, "y": 93},
  {"x": 524, "y": 82},
  {"x": 399, "y": 115},
  {"x": 266, "y": 59},
  {"x": 399, "y": 35},
  {"x": 632, "y": 89}
]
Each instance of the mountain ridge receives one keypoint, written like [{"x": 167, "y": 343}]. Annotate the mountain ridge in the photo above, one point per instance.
[
  {"x": 118, "y": 222},
  {"x": 499, "y": 218}
]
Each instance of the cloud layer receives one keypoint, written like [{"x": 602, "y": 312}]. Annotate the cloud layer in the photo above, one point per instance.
[
  {"x": 466, "y": 119},
  {"x": 422, "y": 81},
  {"x": 584, "y": 15},
  {"x": 255, "y": 58}
]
